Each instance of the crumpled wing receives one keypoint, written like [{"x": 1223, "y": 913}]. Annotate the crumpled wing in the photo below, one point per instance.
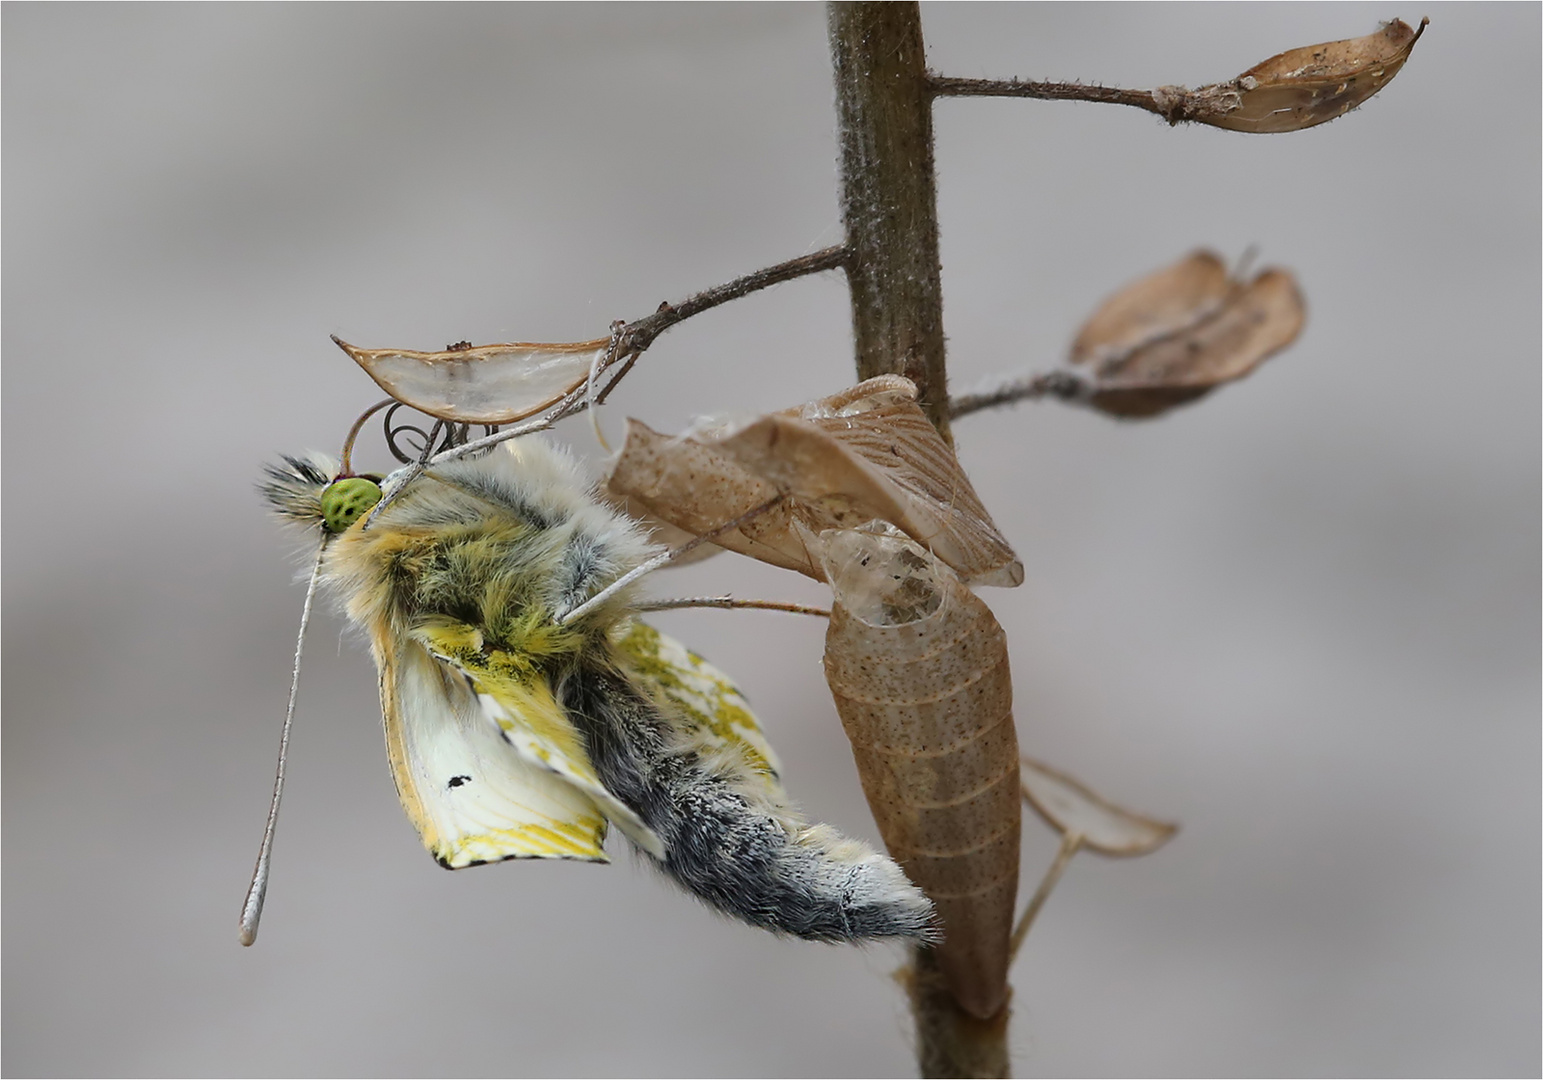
[
  {"x": 717, "y": 713},
  {"x": 472, "y": 798},
  {"x": 524, "y": 712}
]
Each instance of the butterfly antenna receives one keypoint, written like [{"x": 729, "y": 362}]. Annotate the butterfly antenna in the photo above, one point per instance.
[{"x": 252, "y": 910}]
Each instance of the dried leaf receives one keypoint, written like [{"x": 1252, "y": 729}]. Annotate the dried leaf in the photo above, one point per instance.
[
  {"x": 490, "y": 384},
  {"x": 1069, "y": 807},
  {"x": 696, "y": 489},
  {"x": 1161, "y": 304},
  {"x": 1177, "y": 334},
  {"x": 866, "y": 453},
  {"x": 1304, "y": 87},
  {"x": 918, "y": 667}
]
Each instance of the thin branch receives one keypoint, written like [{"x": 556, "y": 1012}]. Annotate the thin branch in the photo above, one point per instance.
[
  {"x": 1154, "y": 101},
  {"x": 1065, "y": 385},
  {"x": 730, "y": 602},
  {"x": 639, "y": 335},
  {"x": 1175, "y": 104},
  {"x": 1045, "y": 91},
  {"x": 1071, "y": 843}
]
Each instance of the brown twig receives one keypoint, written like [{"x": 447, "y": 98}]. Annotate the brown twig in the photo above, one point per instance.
[
  {"x": 636, "y": 336},
  {"x": 728, "y": 602},
  {"x": 1154, "y": 101},
  {"x": 1070, "y": 844},
  {"x": 1057, "y": 384}
]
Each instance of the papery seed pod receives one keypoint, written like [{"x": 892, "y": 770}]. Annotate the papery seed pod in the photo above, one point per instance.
[
  {"x": 1072, "y": 808},
  {"x": 1178, "y": 333},
  {"x": 490, "y": 384},
  {"x": 1300, "y": 88},
  {"x": 696, "y": 488},
  {"x": 918, "y": 667},
  {"x": 866, "y": 453}
]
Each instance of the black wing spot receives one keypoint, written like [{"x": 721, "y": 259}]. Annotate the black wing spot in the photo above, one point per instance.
[{"x": 457, "y": 781}]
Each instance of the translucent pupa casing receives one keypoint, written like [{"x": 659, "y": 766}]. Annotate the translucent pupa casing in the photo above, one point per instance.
[{"x": 918, "y": 667}]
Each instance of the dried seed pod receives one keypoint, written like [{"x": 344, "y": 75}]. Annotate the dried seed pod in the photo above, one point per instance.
[
  {"x": 491, "y": 384},
  {"x": 1300, "y": 88},
  {"x": 1175, "y": 335},
  {"x": 918, "y": 667},
  {"x": 866, "y": 453},
  {"x": 695, "y": 488},
  {"x": 1073, "y": 809}
]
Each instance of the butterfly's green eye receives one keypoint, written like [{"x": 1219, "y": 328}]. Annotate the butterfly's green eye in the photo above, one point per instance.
[{"x": 346, "y": 501}]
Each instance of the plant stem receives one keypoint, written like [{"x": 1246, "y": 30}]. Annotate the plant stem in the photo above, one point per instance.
[
  {"x": 889, "y": 208},
  {"x": 889, "y": 196},
  {"x": 949, "y": 1041}
]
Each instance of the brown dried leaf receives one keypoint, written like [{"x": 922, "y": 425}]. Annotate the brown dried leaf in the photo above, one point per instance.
[
  {"x": 866, "y": 453},
  {"x": 1159, "y": 305},
  {"x": 695, "y": 488},
  {"x": 918, "y": 667},
  {"x": 1308, "y": 86},
  {"x": 1070, "y": 808},
  {"x": 491, "y": 384},
  {"x": 1177, "y": 334}
]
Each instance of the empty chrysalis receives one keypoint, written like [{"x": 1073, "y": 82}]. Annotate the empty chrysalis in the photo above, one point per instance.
[{"x": 527, "y": 708}]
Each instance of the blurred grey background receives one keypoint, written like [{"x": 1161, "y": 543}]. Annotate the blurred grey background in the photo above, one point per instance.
[{"x": 1301, "y": 617}]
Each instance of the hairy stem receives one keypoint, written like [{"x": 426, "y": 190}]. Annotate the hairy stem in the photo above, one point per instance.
[
  {"x": 640, "y": 334},
  {"x": 949, "y": 1041},
  {"x": 949, "y": 86},
  {"x": 1058, "y": 384},
  {"x": 889, "y": 197},
  {"x": 889, "y": 208}
]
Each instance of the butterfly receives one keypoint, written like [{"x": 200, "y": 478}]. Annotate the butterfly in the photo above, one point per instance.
[{"x": 527, "y": 710}]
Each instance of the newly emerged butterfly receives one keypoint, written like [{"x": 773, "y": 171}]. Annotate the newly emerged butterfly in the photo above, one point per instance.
[{"x": 522, "y": 719}]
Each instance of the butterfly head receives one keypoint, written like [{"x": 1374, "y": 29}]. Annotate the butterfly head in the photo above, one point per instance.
[
  {"x": 309, "y": 491},
  {"x": 345, "y": 501}
]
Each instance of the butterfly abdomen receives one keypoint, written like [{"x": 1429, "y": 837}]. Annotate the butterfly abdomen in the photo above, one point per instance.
[{"x": 724, "y": 838}]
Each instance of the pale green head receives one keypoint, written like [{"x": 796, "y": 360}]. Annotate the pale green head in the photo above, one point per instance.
[{"x": 346, "y": 501}]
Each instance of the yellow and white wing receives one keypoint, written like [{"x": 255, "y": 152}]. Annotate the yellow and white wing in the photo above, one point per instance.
[
  {"x": 519, "y": 705},
  {"x": 704, "y": 697},
  {"x": 471, "y": 796}
]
